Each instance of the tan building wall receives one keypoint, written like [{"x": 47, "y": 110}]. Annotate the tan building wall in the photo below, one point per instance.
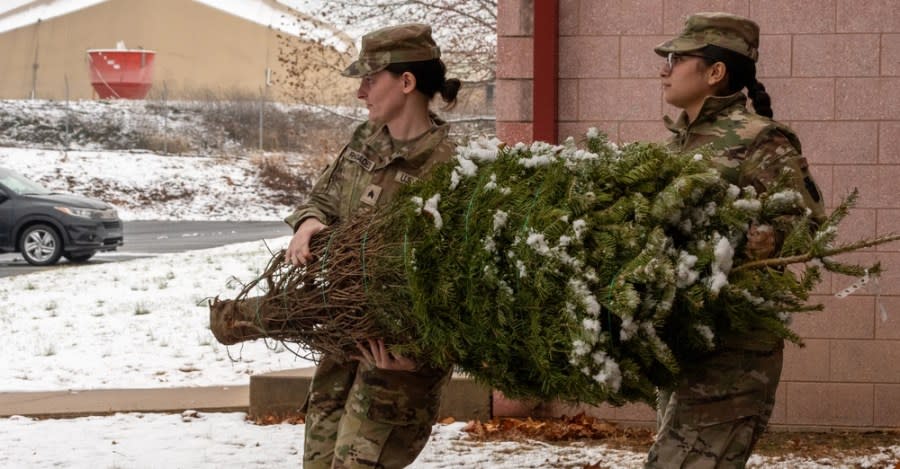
[
  {"x": 832, "y": 68},
  {"x": 198, "y": 48}
]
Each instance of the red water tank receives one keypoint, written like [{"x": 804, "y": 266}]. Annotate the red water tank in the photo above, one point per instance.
[{"x": 121, "y": 73}]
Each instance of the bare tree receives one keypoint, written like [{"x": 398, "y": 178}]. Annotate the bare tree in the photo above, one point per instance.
[{"x": 465, "y": 30}]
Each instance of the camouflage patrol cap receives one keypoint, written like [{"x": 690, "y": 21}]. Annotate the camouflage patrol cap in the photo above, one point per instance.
[
  {"x": 396, "y": 44},
  {"x": 724, "y": 30}
]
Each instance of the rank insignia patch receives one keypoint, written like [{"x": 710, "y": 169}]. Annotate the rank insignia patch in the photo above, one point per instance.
[{"x": 371, "y": 195}]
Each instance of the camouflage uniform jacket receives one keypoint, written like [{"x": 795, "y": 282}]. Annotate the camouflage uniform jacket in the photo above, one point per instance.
[
  {"x": 370, "y": 171},
  {"x": 750, "y": 150}
]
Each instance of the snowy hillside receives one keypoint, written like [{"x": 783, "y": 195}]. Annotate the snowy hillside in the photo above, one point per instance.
[{"x": 121, "y": 152}]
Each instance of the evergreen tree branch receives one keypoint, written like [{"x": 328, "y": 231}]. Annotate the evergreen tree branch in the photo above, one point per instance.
[{"x": 782, "y": 261}]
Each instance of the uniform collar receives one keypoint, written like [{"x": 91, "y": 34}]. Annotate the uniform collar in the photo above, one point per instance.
[
  {"x": 712, "y": 108},
  {"x": 417, "y": 152}
]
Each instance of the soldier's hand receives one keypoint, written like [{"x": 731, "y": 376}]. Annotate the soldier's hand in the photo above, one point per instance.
[
  {"x": 298, "y": 249},
  {"x": 760, "y": 241},
  {"x": 377, "y": 355}
]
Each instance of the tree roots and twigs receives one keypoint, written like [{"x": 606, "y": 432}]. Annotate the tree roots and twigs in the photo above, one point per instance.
[{"x": 321, "y": 305}]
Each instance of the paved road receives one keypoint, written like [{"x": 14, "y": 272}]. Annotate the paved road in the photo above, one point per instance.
[{"x": 147, "y": 238}]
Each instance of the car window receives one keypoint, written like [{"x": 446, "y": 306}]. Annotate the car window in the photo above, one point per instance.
[{"x": 20, "y": 185}]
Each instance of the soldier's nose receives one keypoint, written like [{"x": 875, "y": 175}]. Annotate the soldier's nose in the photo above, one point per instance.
[{"x": 361, "y": 92}]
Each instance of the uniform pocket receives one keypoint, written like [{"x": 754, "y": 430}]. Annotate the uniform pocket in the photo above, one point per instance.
[
  {"x": 733, "y": 385},
  {"x": 402, "y": 397}
]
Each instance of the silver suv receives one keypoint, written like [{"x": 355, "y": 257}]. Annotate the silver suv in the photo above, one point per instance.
[{"x": 44, "y": 225}]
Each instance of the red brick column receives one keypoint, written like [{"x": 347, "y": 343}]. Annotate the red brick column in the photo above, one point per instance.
[{"x": 546, "y": 70}]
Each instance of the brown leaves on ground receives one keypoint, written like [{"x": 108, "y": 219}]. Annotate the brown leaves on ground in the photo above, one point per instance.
[
  {"x": 834, "y": 444},
  {"x": 277, "y": 419},
  {"x": 773, "y": 444},
  {"x": 578, "y": 427}
]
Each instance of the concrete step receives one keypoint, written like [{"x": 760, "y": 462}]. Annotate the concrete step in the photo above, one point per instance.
[{"x": 282, "y": 394}]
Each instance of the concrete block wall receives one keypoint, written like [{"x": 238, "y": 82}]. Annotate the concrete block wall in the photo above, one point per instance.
[{"x": 832, "y": 68}]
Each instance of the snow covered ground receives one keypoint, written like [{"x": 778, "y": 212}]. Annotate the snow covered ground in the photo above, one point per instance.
[
  {"x": 135, "y": 324},
  {"x": 145, "y": 186},
  {"x": 228, "y": 441}
]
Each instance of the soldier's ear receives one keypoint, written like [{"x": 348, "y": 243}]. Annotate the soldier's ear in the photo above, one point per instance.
[
  {"x": 715, "y": 74},
  {"x": 409, "y": 82}
]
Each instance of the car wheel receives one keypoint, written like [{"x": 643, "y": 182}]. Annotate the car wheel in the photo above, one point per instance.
[
  {"x": 40, "y": 245},
  {"x": 79, "y": 257}
]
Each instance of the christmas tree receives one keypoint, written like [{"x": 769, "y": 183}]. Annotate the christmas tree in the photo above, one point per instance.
[{"x": 587, "y": 274}]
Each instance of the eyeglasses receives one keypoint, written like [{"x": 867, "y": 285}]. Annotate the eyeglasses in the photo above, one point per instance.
[{"x": 672, "y": 59}]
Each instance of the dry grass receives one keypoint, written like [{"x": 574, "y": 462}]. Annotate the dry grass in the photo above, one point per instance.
[{"x": 160, "y": 143}]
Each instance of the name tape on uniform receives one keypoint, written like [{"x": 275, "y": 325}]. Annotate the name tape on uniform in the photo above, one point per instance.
[
  {"x": 405, "y": 178},
  {"x": 361, "y": 160}
]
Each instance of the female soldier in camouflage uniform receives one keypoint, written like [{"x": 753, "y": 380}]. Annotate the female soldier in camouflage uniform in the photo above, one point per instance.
[
  {"x": 715, "y": 415},
  {"x": 377, "y": 411}
]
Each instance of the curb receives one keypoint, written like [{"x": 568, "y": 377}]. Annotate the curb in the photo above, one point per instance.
[{"x": 66, "y": 404}]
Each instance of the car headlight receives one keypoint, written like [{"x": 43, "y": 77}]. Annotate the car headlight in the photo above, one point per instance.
[{"x": 80, "y": 212}]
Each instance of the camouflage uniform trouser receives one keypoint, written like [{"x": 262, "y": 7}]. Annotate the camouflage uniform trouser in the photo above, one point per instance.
[
  {"x": 362, "y": 417},
  {"x": 715, "y": 416}
]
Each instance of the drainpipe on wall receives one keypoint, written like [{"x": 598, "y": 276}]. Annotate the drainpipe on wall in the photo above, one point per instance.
[
  {"x": 546, "y": 66},
  {"x": 34, "y": 64}
]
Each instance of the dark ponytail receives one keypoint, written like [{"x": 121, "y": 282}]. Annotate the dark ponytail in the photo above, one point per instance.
[
  {"x": 762, "y": 103},
  {"x": 741, "y": 73},
  {"x": 431, "y": 79},
  {"x": 449, "y": 92}
]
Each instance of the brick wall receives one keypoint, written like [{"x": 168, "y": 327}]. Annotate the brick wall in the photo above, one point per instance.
[{"x": 832, "y": 68}]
